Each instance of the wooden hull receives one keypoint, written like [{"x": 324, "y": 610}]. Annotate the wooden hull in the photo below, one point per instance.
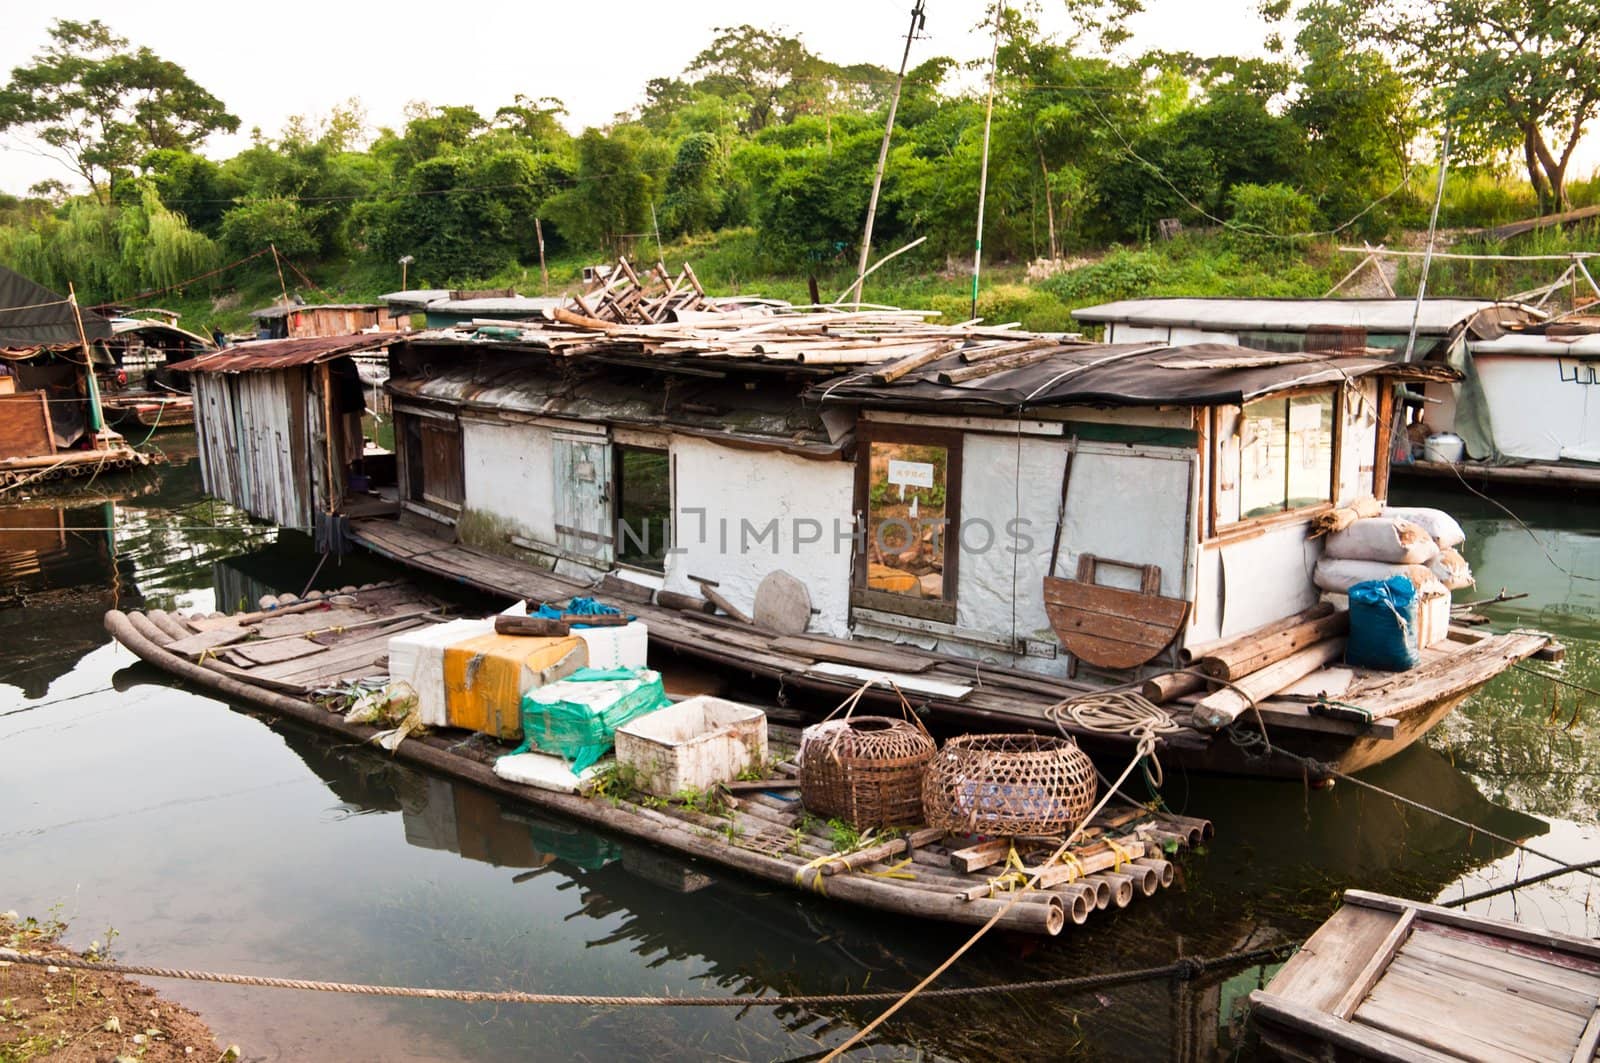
[
  {"x": 158, "y": 414},
  {"x": 1393, "y": 979}
]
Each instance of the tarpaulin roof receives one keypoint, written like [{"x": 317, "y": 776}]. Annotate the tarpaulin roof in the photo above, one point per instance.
[
  {"x": 1128, "y": 374},
  {"x": 267, "y": 355},
  {"x": 32, "y": 315},
  {"x": 1436, "y": 317}
]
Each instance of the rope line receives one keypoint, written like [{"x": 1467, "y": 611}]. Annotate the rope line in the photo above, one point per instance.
[
  {"x": 1517, "y": 884},
  {"x": 1183, "y": 969}
]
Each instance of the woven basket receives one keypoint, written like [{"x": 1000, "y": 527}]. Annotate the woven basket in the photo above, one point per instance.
[
  {"x": 1008, "y": 785},
  {"x": 865, "y": 770}
]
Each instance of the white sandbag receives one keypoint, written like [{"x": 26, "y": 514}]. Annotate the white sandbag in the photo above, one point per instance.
[
  {"x": 1339, "y": 574},
  {"x": 1452, "y": 570},
  {"x": 1387, "y": 539},
  {"x": 1444, "y": 528}
]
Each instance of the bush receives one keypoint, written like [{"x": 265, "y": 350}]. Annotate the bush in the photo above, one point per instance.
[
  {"x": 1122, "y": 274},
  {"x": 1038, "y": 310},
  {"x": 1266, "y": 220}
]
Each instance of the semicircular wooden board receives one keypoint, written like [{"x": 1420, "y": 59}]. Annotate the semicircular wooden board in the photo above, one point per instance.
[{"x": 783, "y": 604}]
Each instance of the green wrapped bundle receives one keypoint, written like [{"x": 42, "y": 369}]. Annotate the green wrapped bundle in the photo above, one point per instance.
[{"x": 578, "y": 716}]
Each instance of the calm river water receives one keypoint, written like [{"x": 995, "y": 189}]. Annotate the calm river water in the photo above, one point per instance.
[{"x": 215, "y": 838}]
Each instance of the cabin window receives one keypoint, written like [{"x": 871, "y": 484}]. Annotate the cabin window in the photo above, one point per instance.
[
  {"x": 908, "y": 488},
  {"x": 643, "y": 506},
  {"x": 433, "y": 463},
  {"x": 1277, "y": 454}
]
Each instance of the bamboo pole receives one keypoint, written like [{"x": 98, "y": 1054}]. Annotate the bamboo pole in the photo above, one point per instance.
[
  {"x": 918, "y": 20},
  {"x": 1218, "y": 710},
  {"x": 983, "y": 172}
]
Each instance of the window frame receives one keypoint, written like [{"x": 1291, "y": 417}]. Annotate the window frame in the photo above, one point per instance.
[
  {"x": 939, "y": 610},
  {"x": 414, "y": 493},
  {"x": 1244, "y": 526},
  {"x": 618, "y": 499}
]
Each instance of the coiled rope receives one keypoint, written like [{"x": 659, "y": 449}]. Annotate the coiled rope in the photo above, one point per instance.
[{"x": 1182, "y": 969}]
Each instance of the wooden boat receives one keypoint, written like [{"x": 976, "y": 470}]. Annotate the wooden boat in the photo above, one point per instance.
[
  {"x": 148, "y": 410},
  {"x": 681, "y": 459},
  {"x": 296, "y": 649},
  {"x": 1393, "y": 979},
  {"x": 1402, "y": 706}
]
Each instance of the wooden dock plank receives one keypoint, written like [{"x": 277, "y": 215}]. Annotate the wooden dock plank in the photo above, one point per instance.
[
  {"x": 1317, "y": 976},
  {"x": 1366, "y": 1042},
  {"x": 1382, "y": 957},
  {"x": 1459, "y": 949},
  {"x": 1491, "y": 1006},
  {"x": 1467, "y": 1018}
]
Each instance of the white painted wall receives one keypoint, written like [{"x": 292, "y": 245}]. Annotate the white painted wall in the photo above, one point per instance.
[
  {"x": 1358, "y": 441},
  {"x": 1246, "y": 583},
  {"x": 1542, "y": 409},
  {"x": 509, "y": 472},
  {"x": 732, "y": 486}
]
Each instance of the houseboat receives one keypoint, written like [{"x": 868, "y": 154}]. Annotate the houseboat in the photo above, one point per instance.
[
  {"x": 1004, "y": 526},
  {"x": 52, "y": 425},
  {"x": 141, "y": 391},
  {"x": 1519, "y": 414}
]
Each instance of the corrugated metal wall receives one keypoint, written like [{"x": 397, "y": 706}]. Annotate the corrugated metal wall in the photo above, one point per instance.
[{"x": 256, "y": 434}]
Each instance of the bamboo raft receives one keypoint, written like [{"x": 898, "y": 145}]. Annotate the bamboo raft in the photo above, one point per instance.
[
  {"x": 73, "y": 464},
  {"x": 1394, "y": 979},
  {"x": 278, "y": 658}
]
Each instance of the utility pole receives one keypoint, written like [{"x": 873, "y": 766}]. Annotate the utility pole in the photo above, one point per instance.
[
  {"x": 919, "y": 21},
  {"x": 983, "y": 173}
]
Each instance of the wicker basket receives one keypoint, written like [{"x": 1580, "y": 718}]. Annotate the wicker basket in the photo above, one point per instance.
[
  {"x": 865, "y": 770},
  {"x": 1008, "y": 785}
]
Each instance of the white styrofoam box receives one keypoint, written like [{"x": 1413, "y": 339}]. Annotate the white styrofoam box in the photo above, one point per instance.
[
  {"x": 693, "y": 745},
  {"x": 616, "y": 647},
  {"x": 417, "y": 657},
  {"x": 1433, "y": 614},
  {"x": 545, "y": 771}
]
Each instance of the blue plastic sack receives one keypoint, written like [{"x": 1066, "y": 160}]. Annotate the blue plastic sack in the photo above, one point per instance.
[
  {"x": 575, "y": 608},
  {"x": 1383, "y": 625}
]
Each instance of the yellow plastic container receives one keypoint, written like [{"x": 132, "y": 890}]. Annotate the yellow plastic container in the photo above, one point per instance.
[{"x": 486, "y": 676}]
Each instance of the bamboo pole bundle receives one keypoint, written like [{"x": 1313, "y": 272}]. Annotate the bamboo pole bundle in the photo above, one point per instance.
[
  {"x": 1162, "y": 868},
  {"x": 1118, "y": 885}
]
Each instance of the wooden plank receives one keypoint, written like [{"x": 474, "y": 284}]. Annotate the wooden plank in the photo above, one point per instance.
[
  {"x": 1365, "y": 1042},
  {"x": 914, "y": 683},
  {"x": 1489, "y": 969},
  {"x": 277, "y": 652},
  {"x": 907, "y": 660},
  {"x": 1412, "y": 1018},
  {"x": 1469, "y": 1018},
  {"x": 1450, "y": 945},
  {"x": 1319, "y": 973},
  {"x": 1373, "y": 969},
  {"x": 1221, "y": 708},
  {"x": 1589, "y": 1043},
  {"x": 1576, "y": 946},
  {"x": 314, "y": 620},
  {"x": 1114, "y": 601},
  {"x": 204, "y": 642}
]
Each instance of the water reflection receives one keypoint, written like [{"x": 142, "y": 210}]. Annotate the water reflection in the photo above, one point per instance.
[{"x": 227, "y": 839}]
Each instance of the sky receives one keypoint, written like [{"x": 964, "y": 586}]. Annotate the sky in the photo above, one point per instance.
[{"x": 301, "y": 58}]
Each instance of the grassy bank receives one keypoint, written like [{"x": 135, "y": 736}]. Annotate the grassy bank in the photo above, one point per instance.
[{"x": 732, "y": 262}]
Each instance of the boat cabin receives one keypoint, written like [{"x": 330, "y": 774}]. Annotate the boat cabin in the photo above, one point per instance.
[
  {"x": 301, "y": 321},
  {"x": 279, "y": 427},
  {"x": 930, "y": 508}
]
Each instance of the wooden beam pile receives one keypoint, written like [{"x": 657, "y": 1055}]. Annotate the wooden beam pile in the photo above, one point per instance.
[{"x": 622, "y": 297}]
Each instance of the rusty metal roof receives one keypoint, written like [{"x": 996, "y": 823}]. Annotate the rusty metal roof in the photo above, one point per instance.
[{"x": 268, "y": 355}]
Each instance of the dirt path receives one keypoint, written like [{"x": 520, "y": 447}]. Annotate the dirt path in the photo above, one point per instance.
[{"x": 74, "y": 1015}]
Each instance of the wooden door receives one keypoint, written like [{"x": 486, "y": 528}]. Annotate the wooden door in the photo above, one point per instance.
[{"x": 583, "y": 496}]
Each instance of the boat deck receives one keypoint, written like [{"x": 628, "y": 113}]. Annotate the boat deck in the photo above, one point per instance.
[
  {"x": 1399, "y": 707},
  {"x": 281, "y": 659},
  {"x": 1392, "y": 979},
  {"x": 1578, "y": 477}
]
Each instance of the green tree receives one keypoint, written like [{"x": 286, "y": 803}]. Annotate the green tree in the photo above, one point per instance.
[
  {"x": 614, "y": 184},
  {"x": 1520, "y": 75},
  {"x": 102, "y": 106}
]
